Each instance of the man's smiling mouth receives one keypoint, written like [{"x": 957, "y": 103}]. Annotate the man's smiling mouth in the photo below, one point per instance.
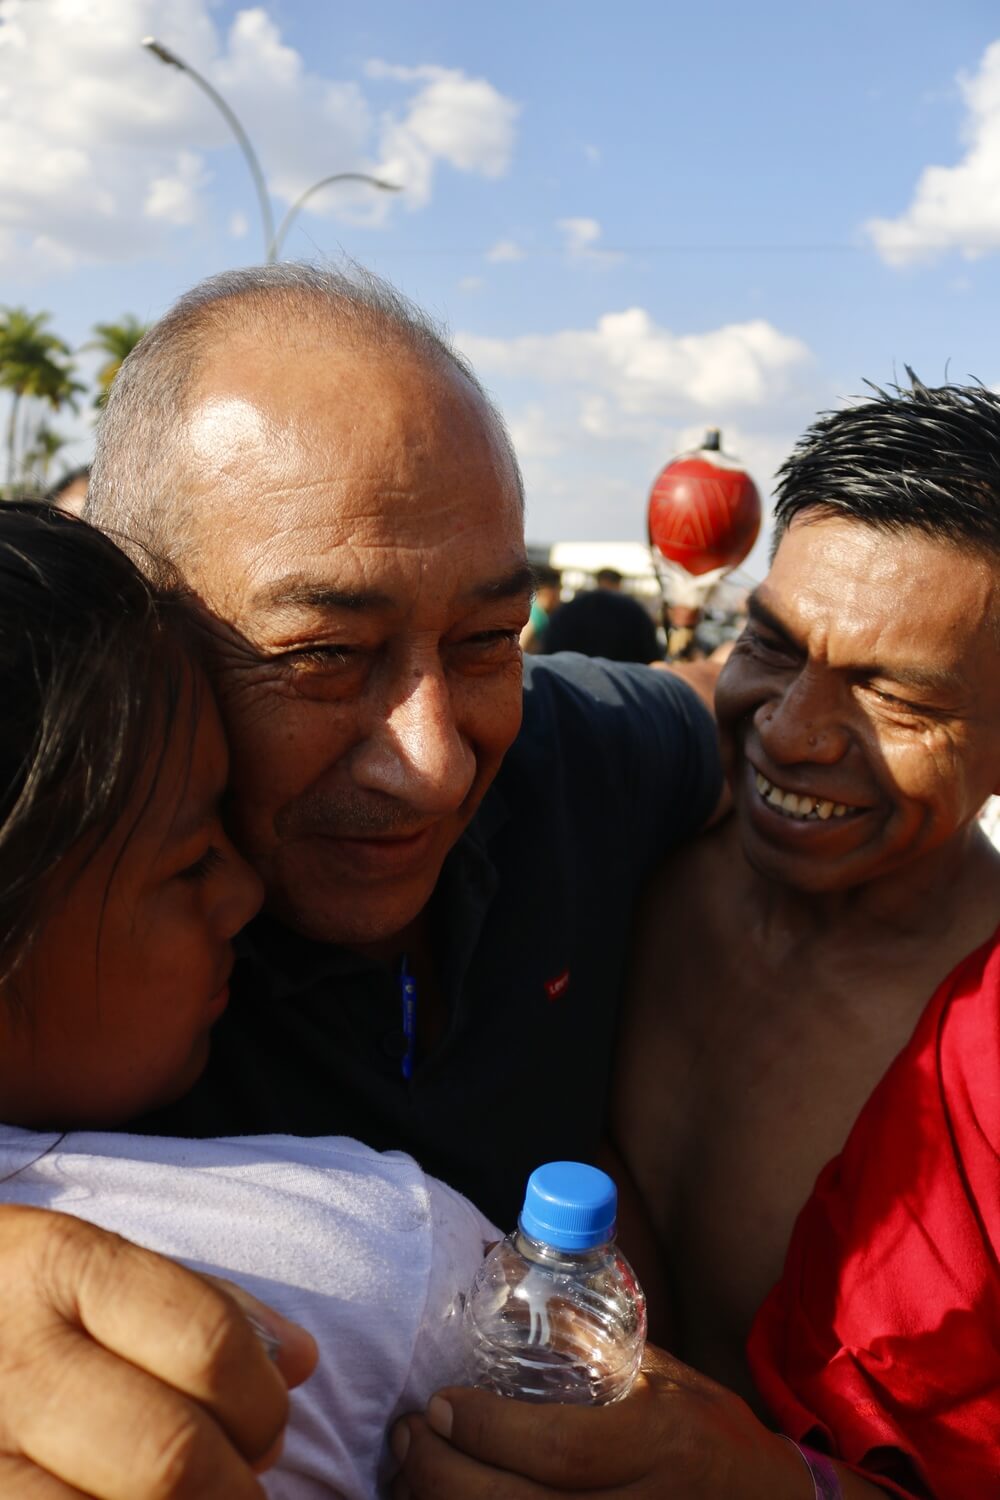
[{"x": 802, "y": 808}]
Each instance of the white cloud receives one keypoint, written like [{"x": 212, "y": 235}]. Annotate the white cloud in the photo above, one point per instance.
[
  {"x": 581, "y": 237},
  {"x": 957, "y": 207},
  {"x": 535, "y": 434},
  {"x": 505, "y": 250},
  {"x": 239, "y": 226},
  {"x": 453, "y": 118},
  {"x": 103, "y": 148},
  {"x": 640, "y": 366},
  {"x": 596, "y": 412},
  {"x": 174, "y": 198},
  {"x": 471, "y": 284},
  {"x": 593, "y": 155}
]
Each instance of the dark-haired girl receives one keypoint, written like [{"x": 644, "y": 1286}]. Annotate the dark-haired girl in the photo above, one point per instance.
[{"x": 119, "y": 896}]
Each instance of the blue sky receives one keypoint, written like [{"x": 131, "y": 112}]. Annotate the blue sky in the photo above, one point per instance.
[{"x": 638, "y": 218}]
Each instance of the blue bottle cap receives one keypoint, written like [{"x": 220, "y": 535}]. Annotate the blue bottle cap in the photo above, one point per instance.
[{"x": 569, "y": 1206}]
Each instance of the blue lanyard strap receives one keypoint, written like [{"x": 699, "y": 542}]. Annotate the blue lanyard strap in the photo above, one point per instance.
[{"x": 408, "y": 1001}]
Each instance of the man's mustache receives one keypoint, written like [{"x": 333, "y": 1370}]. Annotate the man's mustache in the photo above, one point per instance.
[{"x": 341, "y": 815}]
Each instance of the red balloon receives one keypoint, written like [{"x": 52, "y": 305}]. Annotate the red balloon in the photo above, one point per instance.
[{"x": 704, "y": 512}]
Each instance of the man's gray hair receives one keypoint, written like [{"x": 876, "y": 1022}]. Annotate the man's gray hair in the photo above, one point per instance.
[{"x": 138, "y": 468}]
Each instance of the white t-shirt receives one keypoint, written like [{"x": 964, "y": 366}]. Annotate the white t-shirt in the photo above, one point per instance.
[{"x": 358, "y": 1246}]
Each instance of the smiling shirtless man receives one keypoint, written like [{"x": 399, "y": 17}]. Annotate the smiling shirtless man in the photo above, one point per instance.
[
  {"x": 861, "y": 714},
  {"x": 785, "y": 961}
]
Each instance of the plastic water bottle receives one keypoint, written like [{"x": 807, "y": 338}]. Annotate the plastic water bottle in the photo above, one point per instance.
[{"x": 555, "y": 1312}]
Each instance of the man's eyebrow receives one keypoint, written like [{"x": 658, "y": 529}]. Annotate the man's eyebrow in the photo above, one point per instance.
[
  {"x": 520, "y": 580},
  {"x": 296, "y": 592},
  {"x": 932, "y": 680},
  {"x": 758, "y": 610}
]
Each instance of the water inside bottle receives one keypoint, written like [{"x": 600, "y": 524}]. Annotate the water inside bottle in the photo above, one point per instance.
[
  {"x": 545, "y": 1324},
  {"x": 543, "y": 1346}
]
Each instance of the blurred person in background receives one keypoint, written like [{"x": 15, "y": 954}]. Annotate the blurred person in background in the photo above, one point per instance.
[
  {"x": 70, "y": 492},
  {"x": 603, "y": 622},
  {"x": 545, "y": 600},
  {"x": 681, "y": 622}
]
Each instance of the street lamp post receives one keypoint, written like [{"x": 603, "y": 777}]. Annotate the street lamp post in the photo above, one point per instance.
[{"x": 272, "y": 241}]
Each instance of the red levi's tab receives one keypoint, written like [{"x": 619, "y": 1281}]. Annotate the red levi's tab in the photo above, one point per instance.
[{"x": 554, "y": 988}]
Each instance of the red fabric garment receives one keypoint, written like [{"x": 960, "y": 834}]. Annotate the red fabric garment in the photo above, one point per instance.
[{"x": 881, "y": 1342}]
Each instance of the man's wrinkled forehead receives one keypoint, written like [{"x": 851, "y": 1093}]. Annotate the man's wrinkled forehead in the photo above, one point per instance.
[
  {"x": 845, "y": 574},
  {"x": 329, "y": 398},
  {"x": 288, "y": 464}
]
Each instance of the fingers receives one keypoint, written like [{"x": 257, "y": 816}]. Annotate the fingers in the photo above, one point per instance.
[
  {"x": 20, "y": 1477},
  {"x": 171, "y": 1324},
  {"x": 567, "y": 1447},
  {"x": 105, "y": 1428},
  {"x": 564, "y": 1447},
  {"x": 677, "y": 1433},
  {"x": 290, "y": 1347},
  {"x": 433, "y": 1470},
  {"x": 124, "y": 1376},
  {"x": 666, "y": 1370}
]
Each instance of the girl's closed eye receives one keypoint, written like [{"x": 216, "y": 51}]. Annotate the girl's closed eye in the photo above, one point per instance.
[{"x": 203, "y": 866}]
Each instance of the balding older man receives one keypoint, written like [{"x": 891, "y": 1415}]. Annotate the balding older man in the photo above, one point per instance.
[{"x": 343, "y": 501}]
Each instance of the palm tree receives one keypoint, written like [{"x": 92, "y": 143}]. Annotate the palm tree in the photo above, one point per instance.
[
  {"x": 45, "y": 444},
  {"x": 33, "y": 363},
  {"x": 116, "y": 340}
]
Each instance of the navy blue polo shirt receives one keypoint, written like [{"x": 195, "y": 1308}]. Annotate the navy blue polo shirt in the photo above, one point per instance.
[{"x": 531, "y": 919}]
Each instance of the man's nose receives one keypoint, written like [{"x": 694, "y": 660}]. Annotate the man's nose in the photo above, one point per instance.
[
  {"x": 417, "y": 752},
  {"x": 806, "y": 723}
]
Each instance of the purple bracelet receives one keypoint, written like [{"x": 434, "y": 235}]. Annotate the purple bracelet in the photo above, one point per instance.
[{"x": 826, "y": 1481}]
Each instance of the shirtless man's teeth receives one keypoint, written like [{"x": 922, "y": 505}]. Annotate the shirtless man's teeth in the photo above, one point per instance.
[{"x": 793, "y": 806}]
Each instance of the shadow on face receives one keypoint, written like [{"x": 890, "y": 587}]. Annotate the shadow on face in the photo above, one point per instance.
[
  {"x": 362, "y": 555},
  {"x": 110, "y": 1012}
]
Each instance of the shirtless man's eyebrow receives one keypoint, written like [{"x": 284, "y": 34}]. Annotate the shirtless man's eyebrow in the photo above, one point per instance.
[
  {"x": 924, "y": 679},
  {"x": 761, "y": 615}
]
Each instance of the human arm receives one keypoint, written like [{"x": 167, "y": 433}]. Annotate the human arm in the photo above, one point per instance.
[
  {"x": 124, "y": 1376},
  {"x": 678, "y": 1436},
  {"x": 700, "y": 675}
]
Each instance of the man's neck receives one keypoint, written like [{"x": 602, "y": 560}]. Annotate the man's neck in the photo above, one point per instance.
[
  {"x": 411, "y": 939},
  {"x": 414, "y": 943},
  {"x": 958, "y": 881}
]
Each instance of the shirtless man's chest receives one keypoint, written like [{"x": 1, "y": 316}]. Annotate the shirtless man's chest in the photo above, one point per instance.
[{"x": 749, "y": 1054}]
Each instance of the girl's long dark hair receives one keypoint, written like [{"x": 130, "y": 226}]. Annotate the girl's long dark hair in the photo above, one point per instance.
[{"x": 93, "y": 663}]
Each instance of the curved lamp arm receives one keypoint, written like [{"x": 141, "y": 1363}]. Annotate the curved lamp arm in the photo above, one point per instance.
[{"x": 286, "y": 223}]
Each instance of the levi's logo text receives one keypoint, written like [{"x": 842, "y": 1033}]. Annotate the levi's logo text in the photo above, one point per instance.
[{"x": 554, "y": 988}]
